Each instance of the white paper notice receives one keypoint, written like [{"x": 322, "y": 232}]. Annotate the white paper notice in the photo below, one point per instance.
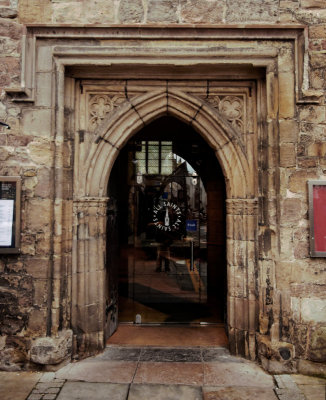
[{"x": 6, "y": 221}]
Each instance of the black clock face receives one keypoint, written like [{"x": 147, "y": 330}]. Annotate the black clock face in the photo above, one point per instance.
[{"x": 167, "y": 216}]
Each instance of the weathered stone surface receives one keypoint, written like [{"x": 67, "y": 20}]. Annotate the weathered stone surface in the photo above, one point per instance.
[
  {"x": 298, "y": 181},
  {"x": 317, "y": 31},
  {"x": 85, "y": 390},
  {"x": 37, "y": 122},
  {"x": 6, "y": 12},
  {"x": 251, "y": 10},
  {"x": 313, "y": 310},
  {"x": 312, "y": 4},
  {"x": 306, "y": 367},
  {"x": 102, "y": 12},
  {"x": 317, "y": 149},
  {"x": 37, "y": 11},
  {"x": 288, "y": 131},
  {"x": 44, "y": 187},
  {"x": 315, "y": 114},
  {"x": 287, "y": 155},
  {"x": 49, "y": 350},
  {"x": 291, "y": 210},
  {"x": 39, "y": 215},
  {"x": 203, "y": 11},
  {"x": 316, "y": 351},
  {"x": 11, "y": 29},
  {"x": 131, "y": 11},
  {"x": 162, "y": 11}
]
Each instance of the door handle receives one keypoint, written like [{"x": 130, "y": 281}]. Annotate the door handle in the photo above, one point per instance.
[{"x": 191, "y": 255}]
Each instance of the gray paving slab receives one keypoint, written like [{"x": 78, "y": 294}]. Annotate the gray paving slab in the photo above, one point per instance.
[
  {"x": 216, "y": 354},
  {"x": 288, "y": 394},
  {"x": 93, "y": 391},
  {"x": 120, "y": 354},
  {"x": 236, "y": 374},
  {"x": 238, "y": 393},
  {"x": 99, "y": 371},
  {"x": 17, "y": 385},
  {"x": 164, "y": 392},
  {"x": 171, "y": 355}
]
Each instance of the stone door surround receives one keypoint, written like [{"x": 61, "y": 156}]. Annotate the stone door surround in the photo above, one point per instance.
[{"x": 97, "y": 86}]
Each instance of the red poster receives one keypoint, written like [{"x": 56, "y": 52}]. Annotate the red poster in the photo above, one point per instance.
[{"x": 319, "y": 205}]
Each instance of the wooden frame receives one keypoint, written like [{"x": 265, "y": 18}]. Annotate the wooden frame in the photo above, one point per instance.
[
  {"x": 14, "y": 248},
  {"x": 317, "y": 248}
]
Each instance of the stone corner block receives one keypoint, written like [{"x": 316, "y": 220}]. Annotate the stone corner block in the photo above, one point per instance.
[{"x": 52, "y": 350}]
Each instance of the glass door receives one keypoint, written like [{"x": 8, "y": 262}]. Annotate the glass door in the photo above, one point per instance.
[{"x": 165, "y": 275}]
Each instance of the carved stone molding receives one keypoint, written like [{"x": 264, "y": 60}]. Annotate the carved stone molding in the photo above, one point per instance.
[
  {"x": 242, "y": 206},
  {"x": 100, "y": 105},
  {"x": 82, "y": 206},
  {"x": 231, "y": 107}
]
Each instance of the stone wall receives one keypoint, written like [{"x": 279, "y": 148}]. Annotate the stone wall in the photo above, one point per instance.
[{"x": 296, "y": 304}]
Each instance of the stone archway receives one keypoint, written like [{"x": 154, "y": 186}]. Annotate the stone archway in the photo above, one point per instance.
[{"x": 89, "y": 240}]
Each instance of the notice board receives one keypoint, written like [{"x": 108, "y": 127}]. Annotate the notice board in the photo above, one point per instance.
[
  {"x": 317, "y": 217},
  {"x": 10, "y": 192}
]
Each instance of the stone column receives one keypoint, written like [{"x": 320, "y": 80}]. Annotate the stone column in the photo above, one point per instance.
[
  {"x": 88, "y": 274},
  {"x": 242, "y": 222}
]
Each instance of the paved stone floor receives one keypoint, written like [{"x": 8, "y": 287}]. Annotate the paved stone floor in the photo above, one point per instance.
[{"x": 158, "y": 373}]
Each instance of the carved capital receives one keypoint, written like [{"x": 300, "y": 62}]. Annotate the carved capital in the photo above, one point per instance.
[
  {"x": 90, "y": 205},
  {"x": 242, "y": 206}
]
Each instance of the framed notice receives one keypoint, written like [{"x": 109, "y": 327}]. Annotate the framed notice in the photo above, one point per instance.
[
  {"x": 317, "y": 216},
  {"x": 10, "y": 189}
]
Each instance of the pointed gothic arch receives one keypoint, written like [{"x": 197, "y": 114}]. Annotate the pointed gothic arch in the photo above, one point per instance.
[{"x": 88, "y": 312}]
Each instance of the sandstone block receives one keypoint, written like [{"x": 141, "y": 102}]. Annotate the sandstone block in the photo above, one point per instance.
[
  {"x": 38, "y": 11},
  {"x": 4, "y": 154},
  {"x": 37, "y": 267},
  {"x": 252, "y": 10},
  {"x": 43, "y": 89},
  {"x": 50, "y": 350},
  {"x": 298, "y": 181},
  {"x": 11, "y": 29},
  {"x": 131, "y": 11},
  {"x": 102, "y": 11},
  {"x": 41, "y": 152},
  {"x": 44, "y": 187},
  {"x": 44, "y": 59},
  {"x": 307, "y": 162},
  {"x": 317, "y": 149},
  {"x": 202, "y": 11},
  {"x": 40, "y": 292},
  {"x": 286, "y": 95},
  {"x": 288, "y": 131},
  {"x": 38, "y": 214},
  {"x": 313, "y": 310},
  {"x": 287, "y": 155},
  {"x": 37, "y": 122},
  {"x": 291, "y": 210},
  {"x": 312, "y": 3},
  {"x": 7, "y": 12},
  {"x": 317, "y": 31},
  {"x": 162, "y": 11},
  {"x": 318, "y": 60},
  {"x": 317, "y": 345},
  {"x": 317, "y": 76},
  {"x": 314, "y": 114},
  {"x": 301, "y": 250},
  {"x": 18, "y": 140},
  {"x": 306, "y": 367}
]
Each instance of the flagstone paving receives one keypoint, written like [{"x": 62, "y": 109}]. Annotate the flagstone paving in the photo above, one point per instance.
[{"x": 148, "y": 373}]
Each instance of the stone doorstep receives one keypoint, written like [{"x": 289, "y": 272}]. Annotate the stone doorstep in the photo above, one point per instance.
[{"x": 287, "y": 388}]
